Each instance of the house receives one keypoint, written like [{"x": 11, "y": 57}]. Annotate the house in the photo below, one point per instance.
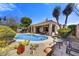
[{"x": 48, "y": 27}]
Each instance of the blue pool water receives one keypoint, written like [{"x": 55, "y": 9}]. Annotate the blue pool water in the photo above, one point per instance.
[{"x": 31, "y": 37}]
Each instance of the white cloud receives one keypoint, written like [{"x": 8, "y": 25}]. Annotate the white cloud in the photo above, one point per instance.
[{"x": 6, "y": 6}]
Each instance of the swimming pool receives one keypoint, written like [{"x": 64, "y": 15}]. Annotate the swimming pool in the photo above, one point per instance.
[{"x": 31, "y": 37}]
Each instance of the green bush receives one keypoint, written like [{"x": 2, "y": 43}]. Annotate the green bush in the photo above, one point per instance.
[
  {"x": 73, "y": 29},
  {"x": 14, "y": 27},
  {"x": 6, "y": 32},
  {"x": 63, "y": 32}
]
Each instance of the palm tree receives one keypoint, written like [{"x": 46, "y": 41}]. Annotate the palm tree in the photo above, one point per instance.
[
  {"x": 56, "y": 13},
  {"x": 67, "y": 11}
]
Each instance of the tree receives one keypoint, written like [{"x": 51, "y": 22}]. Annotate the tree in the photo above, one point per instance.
[
  {"x": 11, "y": 22},
  {"x": 56, "y": 13},
  {"x": 73, "y": 29},
  {"x": 26, "y": 21},
  {"x": 67, "y": 11}
]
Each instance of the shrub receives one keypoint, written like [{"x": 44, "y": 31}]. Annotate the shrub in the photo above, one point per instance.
[
  {"x": 73, "y": 29},
  {"x": 6, "y": 32},
  {"x": 63, "y": 32},
  {"x": 14, "y": 27},
  {"x": 25, "y": 42}
]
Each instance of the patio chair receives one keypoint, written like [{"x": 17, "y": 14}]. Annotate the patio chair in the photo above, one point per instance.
[
  {"x": 68, "y": 49},
  {"x": 74, "y": 47}
]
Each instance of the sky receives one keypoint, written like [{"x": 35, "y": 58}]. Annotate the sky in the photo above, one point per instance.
[{"x": 38, "y": 12}]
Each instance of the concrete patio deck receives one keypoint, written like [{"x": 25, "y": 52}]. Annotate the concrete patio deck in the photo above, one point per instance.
[
  {"x": 40, "y": 50},
  {"x": 62, "y": 51}
]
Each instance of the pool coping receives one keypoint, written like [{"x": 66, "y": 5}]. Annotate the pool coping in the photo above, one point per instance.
[{"x": 50, "y": 39}]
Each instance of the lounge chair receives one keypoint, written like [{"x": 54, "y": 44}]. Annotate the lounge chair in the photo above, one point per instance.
[{"x": 49, "y": 50}]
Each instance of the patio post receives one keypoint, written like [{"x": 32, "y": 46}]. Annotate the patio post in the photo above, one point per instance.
[
  {"x": 34, "y": 29},
  {"x": 50, "y": 29},
  {"x": 56, "y": 28},
  {"x": 31, "y": 29},
  {"x": 41, "y": 29}
]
